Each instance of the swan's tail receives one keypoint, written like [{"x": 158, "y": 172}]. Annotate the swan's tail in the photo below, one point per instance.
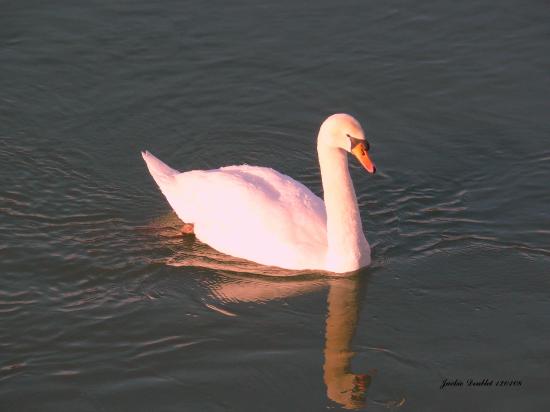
[
  {"x": 170, "y": 186},
  {"x": 161, "y": 172}
]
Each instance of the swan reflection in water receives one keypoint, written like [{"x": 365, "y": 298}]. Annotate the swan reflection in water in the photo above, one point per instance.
[
  {"x": 343, "y": 386},
  {"x": 344, "y": 298}
]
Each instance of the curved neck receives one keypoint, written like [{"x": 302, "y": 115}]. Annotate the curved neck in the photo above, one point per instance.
[{"x": 348, "y": 249}]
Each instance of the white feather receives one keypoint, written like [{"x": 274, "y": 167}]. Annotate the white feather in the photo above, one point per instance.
[{"x": 259, "y": 214}]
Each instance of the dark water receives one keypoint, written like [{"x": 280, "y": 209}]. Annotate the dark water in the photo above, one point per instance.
[{"x": 99, "y": 310}]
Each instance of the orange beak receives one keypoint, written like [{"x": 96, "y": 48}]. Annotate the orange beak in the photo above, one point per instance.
[{"x": 361, "y": 153}]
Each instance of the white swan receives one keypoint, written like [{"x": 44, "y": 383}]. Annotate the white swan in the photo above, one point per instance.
[{"x": 259, "y": 214}]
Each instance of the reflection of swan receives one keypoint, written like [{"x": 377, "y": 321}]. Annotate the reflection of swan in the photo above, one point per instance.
[
  {"x": 344, "y": 296},
  {"x": 264, "y": 216},
  {"x": 343, "y": 386}
]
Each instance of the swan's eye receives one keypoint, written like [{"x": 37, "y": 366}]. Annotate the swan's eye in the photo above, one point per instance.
[{"x": 354, "y": 142}]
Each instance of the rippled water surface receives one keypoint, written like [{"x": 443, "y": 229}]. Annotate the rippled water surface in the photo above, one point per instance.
[{"x": 104, "y": 306}]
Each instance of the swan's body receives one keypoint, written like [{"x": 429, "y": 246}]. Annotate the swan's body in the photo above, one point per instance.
[{"x": 259, "y": 214}]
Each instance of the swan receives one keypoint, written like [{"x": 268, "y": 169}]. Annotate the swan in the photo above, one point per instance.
[{"x": 261, "y": 215}]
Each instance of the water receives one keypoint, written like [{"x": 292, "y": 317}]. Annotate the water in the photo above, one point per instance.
[{"x": 99, "y": 308}]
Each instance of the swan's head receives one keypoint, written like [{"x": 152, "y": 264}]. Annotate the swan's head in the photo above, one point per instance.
[{"x": 342, "y": 131}]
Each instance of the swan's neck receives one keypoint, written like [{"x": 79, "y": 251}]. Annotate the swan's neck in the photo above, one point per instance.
[{"x": 348, "y": 249}]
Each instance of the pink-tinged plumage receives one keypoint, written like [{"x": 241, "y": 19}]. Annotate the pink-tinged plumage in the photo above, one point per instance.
[{"x": 259, "y": 214}]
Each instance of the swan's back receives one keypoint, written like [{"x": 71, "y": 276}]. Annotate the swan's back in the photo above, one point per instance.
[{"x": 251, "y": 212}]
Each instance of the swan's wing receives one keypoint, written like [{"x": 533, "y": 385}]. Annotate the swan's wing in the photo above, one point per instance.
[
  {"x": 255, "y": 213},
  {"x": 306, "y": 211},
  {"x": 250, "y": 212}
]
